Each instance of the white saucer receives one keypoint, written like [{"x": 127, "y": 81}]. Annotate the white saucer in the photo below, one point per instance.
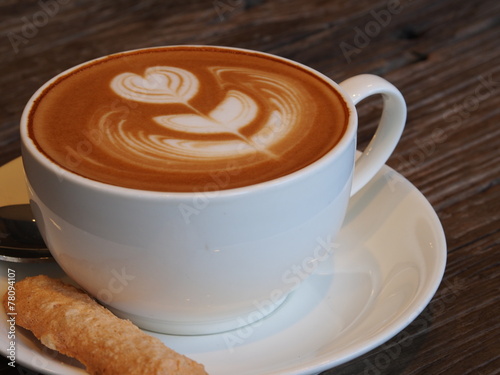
[{"x": 389, "y": 263}]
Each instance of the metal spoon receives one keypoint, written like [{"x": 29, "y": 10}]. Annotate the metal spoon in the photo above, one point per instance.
[{"x": 20, "y": 240}]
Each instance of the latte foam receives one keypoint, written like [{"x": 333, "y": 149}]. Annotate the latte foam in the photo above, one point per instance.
[{"x": 185, "y": 119}]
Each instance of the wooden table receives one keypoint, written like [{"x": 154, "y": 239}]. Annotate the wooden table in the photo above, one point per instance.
[{"x": 444, "y": 55}]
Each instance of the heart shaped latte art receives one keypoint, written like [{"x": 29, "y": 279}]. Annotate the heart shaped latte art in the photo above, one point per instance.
[{"x": 160, "y": 84}]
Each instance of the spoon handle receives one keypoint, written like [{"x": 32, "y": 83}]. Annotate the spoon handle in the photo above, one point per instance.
[
  {"x": 20, "y": 240},
  {"x": 23, "y": 255}
]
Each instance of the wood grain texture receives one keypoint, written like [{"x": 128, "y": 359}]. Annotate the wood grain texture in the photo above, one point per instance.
[{"x": 444, "y": 55}]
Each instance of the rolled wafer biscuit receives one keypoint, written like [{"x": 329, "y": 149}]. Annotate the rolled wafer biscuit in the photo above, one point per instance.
[{"x": 66, "y": 319}]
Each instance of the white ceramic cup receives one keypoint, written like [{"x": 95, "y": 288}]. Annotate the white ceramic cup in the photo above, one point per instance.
[{"x": 199, "y": 263}]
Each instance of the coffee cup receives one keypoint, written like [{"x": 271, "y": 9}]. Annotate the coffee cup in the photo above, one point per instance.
[{"x": 192, "y": 189}]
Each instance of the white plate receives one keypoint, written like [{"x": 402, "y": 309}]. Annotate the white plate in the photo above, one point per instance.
[{"x": 390, "y": 260}]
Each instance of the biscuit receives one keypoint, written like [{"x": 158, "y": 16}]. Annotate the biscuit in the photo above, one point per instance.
[{"x": 66, "y": 319}]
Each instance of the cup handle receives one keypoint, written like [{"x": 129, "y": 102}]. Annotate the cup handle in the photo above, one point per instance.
[{"x": 389, "y": 129}]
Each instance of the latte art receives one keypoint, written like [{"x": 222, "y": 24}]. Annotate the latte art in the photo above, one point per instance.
[
  {"x": 167, "y": 85},
  {"x": 159, "y": 85},
  {"x": 173, "y": 119}
]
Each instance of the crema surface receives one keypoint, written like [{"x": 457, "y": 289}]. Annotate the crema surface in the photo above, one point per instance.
[{"x": 185, "y": 119}]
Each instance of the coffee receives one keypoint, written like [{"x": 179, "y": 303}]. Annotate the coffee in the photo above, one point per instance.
[{"x": 187, "y": 118}]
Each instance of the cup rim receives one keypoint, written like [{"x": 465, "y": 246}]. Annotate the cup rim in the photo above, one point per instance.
[{"x": 333, "y": 153}]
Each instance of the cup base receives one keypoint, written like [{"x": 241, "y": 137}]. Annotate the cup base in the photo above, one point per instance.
[{"x": 196, "y": 328}]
